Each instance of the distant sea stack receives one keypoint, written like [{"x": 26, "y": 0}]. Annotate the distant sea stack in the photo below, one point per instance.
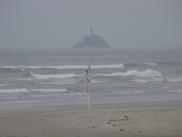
[{"x": 92, "y": 41}]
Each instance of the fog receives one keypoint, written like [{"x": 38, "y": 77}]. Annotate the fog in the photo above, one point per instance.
[{"x": 61, "y": 23}]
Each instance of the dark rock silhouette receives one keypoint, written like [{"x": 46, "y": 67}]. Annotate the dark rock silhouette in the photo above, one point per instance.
[{"x": 92, "y": 41}]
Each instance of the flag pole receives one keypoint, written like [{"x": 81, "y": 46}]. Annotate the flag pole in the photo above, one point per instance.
[
  {"x": 89, "y": 98},
  {"x": 88, "y": 83}
]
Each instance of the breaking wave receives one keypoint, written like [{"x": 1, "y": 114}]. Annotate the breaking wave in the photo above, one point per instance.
[
  {"x": 136, "y": 73},
  {"x": 62, "y": 67}
]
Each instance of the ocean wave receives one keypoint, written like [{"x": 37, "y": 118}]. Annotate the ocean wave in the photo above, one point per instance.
[
  {"x": 64, "y": 67},
  {"x": 15, "y": 90},
  {"x": 136, "y": 73},
  {"x": 149, "y": 80},
  {"x": 53, "y": 76}
]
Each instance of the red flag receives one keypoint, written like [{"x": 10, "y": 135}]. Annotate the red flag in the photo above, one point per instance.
[{"x": 87, "y": 75}]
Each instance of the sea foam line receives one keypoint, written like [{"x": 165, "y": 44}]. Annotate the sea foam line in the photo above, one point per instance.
[{"x": 146, "y": 73}]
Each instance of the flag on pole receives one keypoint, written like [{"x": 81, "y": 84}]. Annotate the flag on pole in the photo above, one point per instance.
[{"x": 87, "y": 76}]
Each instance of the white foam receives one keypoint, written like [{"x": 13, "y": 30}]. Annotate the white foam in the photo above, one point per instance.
[
  {"x": 15, "y": 90},
  {"x": 66, "y": 66},
  {"x": 110, "y": 74},
  {"x": 53, "y": 76},
  {"x": 48, "y": 90},
  {"x": 146, "y": 73}
]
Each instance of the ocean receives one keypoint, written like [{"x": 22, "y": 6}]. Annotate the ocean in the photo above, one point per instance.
[{"x": 56, "y": 76}]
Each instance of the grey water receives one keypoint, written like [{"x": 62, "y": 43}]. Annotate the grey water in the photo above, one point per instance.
[{"x": 57, "y": 75}]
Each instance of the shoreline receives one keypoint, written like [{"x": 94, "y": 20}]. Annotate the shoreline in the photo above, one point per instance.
[{"x": 129, "y": 99}]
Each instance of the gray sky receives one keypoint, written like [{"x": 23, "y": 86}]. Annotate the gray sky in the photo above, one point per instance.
[{"x": 61, "y": 23}]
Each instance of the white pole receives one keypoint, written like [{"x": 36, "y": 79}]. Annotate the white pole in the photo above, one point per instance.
[{"x": 89, "y": 98}]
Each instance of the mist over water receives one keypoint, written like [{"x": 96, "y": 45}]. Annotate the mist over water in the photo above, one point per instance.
[{"x": 53, "y": 75}]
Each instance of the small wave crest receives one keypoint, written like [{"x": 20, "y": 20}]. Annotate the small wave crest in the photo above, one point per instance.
[
  {"x": 48, "y": 90},
  {"x": 57, "y": 82},
  {"x": 15, "y": 90},
  {"x": 53, "y": 76}
]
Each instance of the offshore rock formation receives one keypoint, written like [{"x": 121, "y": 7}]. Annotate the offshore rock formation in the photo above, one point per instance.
[{"x": 92, "y": 41}]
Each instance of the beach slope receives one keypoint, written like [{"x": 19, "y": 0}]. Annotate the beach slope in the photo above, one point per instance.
[{"x": 116, "y": 120}]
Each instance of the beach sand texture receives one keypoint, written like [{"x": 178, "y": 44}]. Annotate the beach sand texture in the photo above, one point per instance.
[{"x": 116, "y": 120}]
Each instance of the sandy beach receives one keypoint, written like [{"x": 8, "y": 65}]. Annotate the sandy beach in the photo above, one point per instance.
[{"x": 159, "y": 119}]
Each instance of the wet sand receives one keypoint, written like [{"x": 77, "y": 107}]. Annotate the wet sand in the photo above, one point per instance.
[{"x": 157, "y": 119}]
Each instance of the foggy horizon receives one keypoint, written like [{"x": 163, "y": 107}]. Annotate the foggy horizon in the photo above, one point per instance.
[{"x": 125, "y": 24}]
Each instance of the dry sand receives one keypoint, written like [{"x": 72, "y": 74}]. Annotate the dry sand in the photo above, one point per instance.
[{"x": 116, "y": 120}]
